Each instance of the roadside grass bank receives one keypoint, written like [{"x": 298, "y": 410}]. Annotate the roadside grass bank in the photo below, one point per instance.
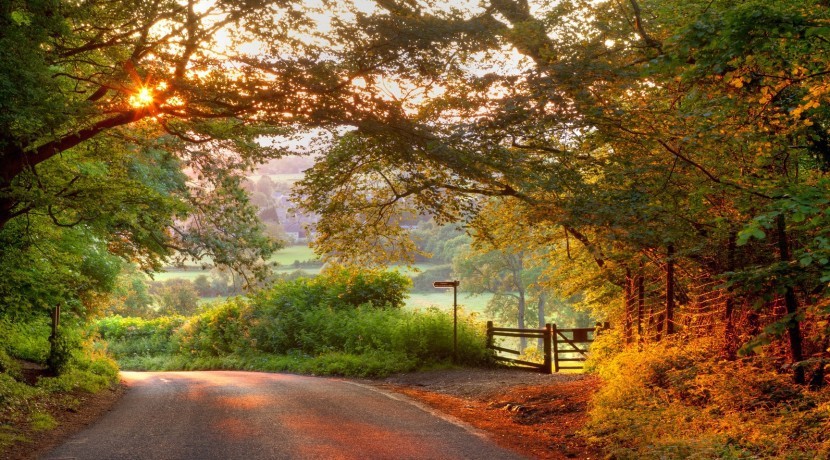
[
  {"x": 676, "y": 399},
  {"x": 32, "y": 398},
  {"x": 346, "y": 322}
]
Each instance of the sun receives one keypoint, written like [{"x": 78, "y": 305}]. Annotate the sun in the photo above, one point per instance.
[{"x": 142, "y": 98}]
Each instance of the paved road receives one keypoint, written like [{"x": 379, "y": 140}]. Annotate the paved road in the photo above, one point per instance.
[{"x": 249, "y": 415}]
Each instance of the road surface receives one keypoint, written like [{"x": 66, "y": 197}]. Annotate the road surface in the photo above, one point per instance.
[{"x": 251, "y": 415}]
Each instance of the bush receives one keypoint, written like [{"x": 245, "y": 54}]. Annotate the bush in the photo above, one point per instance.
[
  {"x": 675, "y": 400},
  {"x": 137, "y": 336},
  {"x": 313, "y": 322},
  {"x": 9, "y": 365},
  {"x": 64, "y": 345},
  {"x": 222, "y": 329},
  {"x": 349, "y": 287},
  {"x": 27, "y": 340}
]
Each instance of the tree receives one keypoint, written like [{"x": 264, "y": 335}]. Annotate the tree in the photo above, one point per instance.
[
  {"x": 630, "y": 127},
  {"x": 177, "y": 297},
  {"x": 131, "y": 296},
  {"x": 90, "y": 79}
]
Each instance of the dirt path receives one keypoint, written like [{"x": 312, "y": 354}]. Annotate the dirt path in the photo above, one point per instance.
[{"x": 535, "y": 414}]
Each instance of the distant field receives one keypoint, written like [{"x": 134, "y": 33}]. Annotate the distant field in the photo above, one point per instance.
[
  {"x": 289, "y": 269},
  {"x": 278, "y": 178},
  {"x": 172, "y": 273},
  {"x": 287, "y": 255},
  {"x": 443, "y": 300}
]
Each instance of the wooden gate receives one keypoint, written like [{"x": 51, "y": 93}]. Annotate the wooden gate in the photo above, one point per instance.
[{"x": 560, "y": 345}]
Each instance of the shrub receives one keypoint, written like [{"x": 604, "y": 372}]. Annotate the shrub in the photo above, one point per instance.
[
  {"x": 26, "y": 339},
  {"x": 9, "y": 365},
  {"x": 676, "y": 400},
  {"x": 222, "y": 329},
  {"x": 313, "y": 322},
  {"x": 349, "y": 287},
  {"x": 137, "y": 336}
]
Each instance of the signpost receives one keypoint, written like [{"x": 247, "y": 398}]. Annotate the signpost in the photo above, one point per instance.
[{"x": 454, "y": 286}]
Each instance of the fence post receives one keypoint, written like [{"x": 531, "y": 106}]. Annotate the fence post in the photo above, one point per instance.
[
  {"x": 489, "y": 334},
  {"x": 548, "y": 357},
  {"x": 555, "y": 341}
]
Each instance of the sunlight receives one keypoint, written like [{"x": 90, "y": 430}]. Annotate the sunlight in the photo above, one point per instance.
[{"x": 142, "y": 98}]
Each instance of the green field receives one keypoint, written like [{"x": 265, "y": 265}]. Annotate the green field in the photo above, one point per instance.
[
  {"x": 443, "y": 300},
  {"x": 287, "y": 255},
  {"x": 186, "y": 274},
  {"x": 285, "y": 259}
]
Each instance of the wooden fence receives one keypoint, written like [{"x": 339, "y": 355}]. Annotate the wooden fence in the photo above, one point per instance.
[{"x": 560, "y": 345}]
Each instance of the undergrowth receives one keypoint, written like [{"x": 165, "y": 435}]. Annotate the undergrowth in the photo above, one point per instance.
[
  {"x": 344, "y": 322},
  {"x": 676, "y": 400},
  {"x": 24, "y": 406}
]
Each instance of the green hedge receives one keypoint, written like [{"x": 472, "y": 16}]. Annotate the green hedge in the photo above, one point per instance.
[{"x": 343, "y": 322}]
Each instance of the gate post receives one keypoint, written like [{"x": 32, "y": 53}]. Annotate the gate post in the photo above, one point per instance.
[
  {"x": 555, "y": 348},
  {"x": 548, "y": 338},
  {"x": 489, "y": 334}
]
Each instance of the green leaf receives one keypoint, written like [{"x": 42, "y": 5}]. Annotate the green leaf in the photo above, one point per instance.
[
  {"x": 750, "y": 232},
  {"x": 21, "y": 18}
]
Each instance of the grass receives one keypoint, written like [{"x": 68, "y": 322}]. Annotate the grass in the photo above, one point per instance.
[
  {"x": 173, "y": 273},
  {"x": 284, "y": 257},
  {"x": 41, "y": 421},
  {"x": 443, "y": 300},
  {"x": 26, "y": 407},
  {"x": 287, "y": 255},
  {"x": 289, "y": 269},
  {"x": 8, "y": 436}
]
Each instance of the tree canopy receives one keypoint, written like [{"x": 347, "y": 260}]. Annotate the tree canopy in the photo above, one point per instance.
[{"x": 690, "y": 134}]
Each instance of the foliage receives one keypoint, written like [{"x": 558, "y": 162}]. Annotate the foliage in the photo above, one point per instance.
[
  {"x": 176, "y": 297},
  {"x": 620, "y": 132},
  {"x": 131, "y": 296},
  {"x": 137, "y": 336},
  {"x": 23, "y": 405},
  {"x": 345, "y": 321},
  {"x": 422, "y": 281},
  {"x": 27, "y": 340},
  {"x": 673, "y": 400},
  {"x": 64, "y": 347},
  {"x": 440, "y": 242}
]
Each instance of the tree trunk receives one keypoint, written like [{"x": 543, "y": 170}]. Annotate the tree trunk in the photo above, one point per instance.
[
  {"x": 791, "y": 302},
  {"x": 521, "y": 318},
  {"x": 540, "y": 311},
  {"x": 53, "y": 360}
]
